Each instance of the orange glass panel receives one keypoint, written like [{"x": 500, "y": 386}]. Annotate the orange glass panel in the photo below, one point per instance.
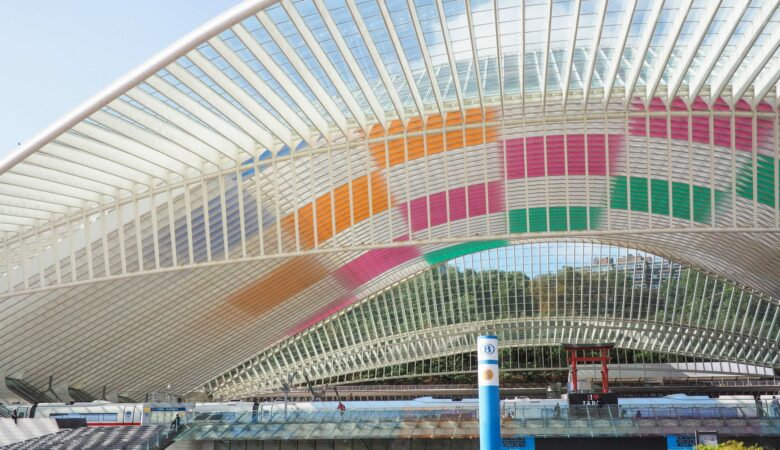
[
  {"x": 335, "y": 207},
  {"x": 285, "y": 282}
]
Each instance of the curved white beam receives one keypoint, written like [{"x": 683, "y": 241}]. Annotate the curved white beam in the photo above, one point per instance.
[
  {"x": 618, "y": 52},
  {"x": 227, "y": 129},
  {"x": 145, "y": 70},
  {"x": 195, "y": 141},
  {"x": 270, "y": 124},
  {"x": 273, "y": 98},
  {"x": 322, "y": 59},
  {"x": 402, "y": 59},
  {"x": 662, "y": 60},
  {"x": 238, "y": 118},
  {"x": 426, "y": 55},
  {"x": 346, "y": 54},
  {"x": 758, "y": 64},
  {"x": 303, "y": 71},
  {"x": 716, "y": 49},
  {"x": 639, "y": 58},
  {"x": 743, "y": 47},
  {"x": 678, "y": 74},
  {"x": 567, "y": 69},
  {"x": 590, "y": 70}
]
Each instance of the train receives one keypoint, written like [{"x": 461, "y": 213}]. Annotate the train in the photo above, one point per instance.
[{"x": 104, "y": 413}]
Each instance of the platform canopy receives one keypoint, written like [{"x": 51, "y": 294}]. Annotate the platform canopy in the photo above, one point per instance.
[{"x": 291, "y": 158}]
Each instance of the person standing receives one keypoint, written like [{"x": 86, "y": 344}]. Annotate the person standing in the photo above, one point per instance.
[
  {"x": 14, "y": 416},
  {"x": 775, "y": 406},
  {"x": 557, "y": 411},
  {"x": 341, "y": 408}
]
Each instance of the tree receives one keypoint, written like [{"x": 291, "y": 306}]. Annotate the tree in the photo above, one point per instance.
[{"x": 730, "y": 445}]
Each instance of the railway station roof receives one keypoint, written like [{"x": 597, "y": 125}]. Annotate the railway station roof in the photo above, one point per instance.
[{"x": 290, "y": 158}]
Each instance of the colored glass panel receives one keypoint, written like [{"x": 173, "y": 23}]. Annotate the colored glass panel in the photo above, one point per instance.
[
  {"x": 454, "y": 251},
  {"x": 335, "y": 208},
  {"x": 767, "y": 180},
  {"x": 683, "y": 197},
  {"x": 520, "y": 220},
  {"x": 576, "y": 154}
]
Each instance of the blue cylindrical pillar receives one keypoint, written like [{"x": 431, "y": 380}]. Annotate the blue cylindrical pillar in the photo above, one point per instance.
[{"x": 489, "y": 403}]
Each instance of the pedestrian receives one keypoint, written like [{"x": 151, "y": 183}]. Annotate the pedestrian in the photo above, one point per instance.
[
  {"x": 759, "y": 405},
  {"x": 557, "y": 411},
  {"x": 638, "y": 414},
  {"x": 341, "y": 408},
  {"x": 775, "y": 406},
  {"x": 176, "y": 422},
  {"x": 14, "y": 416}
]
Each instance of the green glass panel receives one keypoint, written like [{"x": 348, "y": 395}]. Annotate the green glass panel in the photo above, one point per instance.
[
  {"x": 538, "y": 219},
  {"x": 518, "y": 221},
  {"x": 558, "y": 218},
  {"x": 578, "y": 215},
  {"x": 639, "y": 194},
  {"x": 596, "y": 213},
  {"x": 745, "y": 181},
  {"x": 767, "y": 180},
  {"x": 681, "y": 200},
  {"x": 467, "y": 248},
  {"x": 659, "y": 196},
  {"x": 701, "y": 204},
  {"x": 619, "y": 193}
]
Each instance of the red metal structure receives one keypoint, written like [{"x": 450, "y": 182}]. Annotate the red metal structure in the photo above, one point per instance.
[{"x": 586, "y": 356}]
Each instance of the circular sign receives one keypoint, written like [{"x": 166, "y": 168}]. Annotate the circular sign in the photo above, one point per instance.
[
  {"x": 487, "y": 375},
  {"x": 489, "y": 349}
]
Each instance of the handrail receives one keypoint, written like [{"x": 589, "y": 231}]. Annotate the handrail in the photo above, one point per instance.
[{"x": 725, "y": 410}]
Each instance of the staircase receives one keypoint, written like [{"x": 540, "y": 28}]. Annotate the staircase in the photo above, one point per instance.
[{"x": 25, "y": 429}]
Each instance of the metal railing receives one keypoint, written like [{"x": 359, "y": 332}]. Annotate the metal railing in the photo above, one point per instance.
[
  {"x": 606, "y": 420},
  {"x": 638, "y": 411}
]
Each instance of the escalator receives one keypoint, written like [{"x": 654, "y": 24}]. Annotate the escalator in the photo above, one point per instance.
[
  {"x": 80, "y": 395},
  {"x": 27, "y": 391}
]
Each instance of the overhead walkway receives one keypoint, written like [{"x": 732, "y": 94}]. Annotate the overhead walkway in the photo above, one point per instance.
[{"x": 463, "y": 424}]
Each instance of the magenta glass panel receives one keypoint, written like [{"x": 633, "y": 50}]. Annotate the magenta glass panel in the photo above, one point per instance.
[
  {"x": 573, "y": 155},
  {"x": 373, "y": 263},
  {"x": 481, "y": 200},
  {"x": 322, "y": 314}
]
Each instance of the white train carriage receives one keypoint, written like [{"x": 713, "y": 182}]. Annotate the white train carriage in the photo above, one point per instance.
[{"x": 97, "y": 413}]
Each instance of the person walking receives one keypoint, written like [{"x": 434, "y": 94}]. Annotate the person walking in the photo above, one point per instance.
[
  {"x": 557, "y": 411},
  {"x": 341, "y": 408},
  {"x": 775, "y": 406},
  {"x": 14, "y": 416}
]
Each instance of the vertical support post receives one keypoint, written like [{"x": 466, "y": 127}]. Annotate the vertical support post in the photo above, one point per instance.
[
  {"x": 573, "y": 357},
  {"x": 604, "y": 370},
  {"x": 489, "y": 403}
]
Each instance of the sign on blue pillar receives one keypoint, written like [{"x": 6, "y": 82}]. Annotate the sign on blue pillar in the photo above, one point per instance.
[{"x": 489, "y": 403}]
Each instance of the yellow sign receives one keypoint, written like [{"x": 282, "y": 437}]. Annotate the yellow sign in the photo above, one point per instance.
[{"x": 487, "y": 375}]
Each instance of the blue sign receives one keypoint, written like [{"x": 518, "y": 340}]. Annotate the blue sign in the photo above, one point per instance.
[
  {"x": 520, "y": 443},
  {"x": 167, "y": 408},
  {"x": 680, "y": 442}
]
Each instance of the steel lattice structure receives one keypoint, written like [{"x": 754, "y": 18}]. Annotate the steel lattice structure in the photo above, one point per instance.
[
  {"x": 601, "y": 295},
  {"x": 290, "y": 158}
]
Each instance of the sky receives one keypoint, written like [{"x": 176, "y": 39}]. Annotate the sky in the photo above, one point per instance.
[{"x": 58, "y": 53}]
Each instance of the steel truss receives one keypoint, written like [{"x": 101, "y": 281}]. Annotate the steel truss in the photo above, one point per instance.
[
  {"x": 618, "y": 295},
  {"x": 296, "y": 137}
]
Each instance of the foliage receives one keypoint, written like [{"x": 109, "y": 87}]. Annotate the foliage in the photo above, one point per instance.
[{"x": 730, "y": 445}]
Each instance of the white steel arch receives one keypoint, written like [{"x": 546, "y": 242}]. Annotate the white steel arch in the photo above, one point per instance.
[{"x": 273, "y": 155}]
